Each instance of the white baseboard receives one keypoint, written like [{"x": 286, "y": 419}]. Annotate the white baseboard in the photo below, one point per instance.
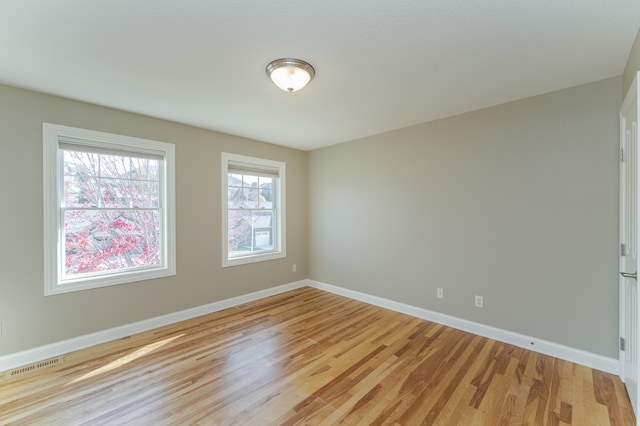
[
  {"x": 599, "y": 362},
  {"x": 578, "y": 356},
  {"x": 18, "y": 359}
]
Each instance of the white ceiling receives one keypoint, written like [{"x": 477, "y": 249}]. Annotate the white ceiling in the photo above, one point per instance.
[{"x": 380, "y": 64}]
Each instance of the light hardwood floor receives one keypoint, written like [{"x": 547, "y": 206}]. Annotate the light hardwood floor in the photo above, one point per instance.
[{"x": 311, "y": 357}]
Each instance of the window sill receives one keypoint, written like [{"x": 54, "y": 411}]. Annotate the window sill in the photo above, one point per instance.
[
  {"x": 252, "y": 259},
  {"x": 105, "y": 281}
]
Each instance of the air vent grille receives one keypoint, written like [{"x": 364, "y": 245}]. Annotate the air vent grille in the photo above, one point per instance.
[{"x": 35, "y": 366}]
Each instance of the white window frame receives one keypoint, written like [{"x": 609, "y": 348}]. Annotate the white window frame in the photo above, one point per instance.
[
  {"x": 280, "y": 239},
  {"x": 53, "y": 135}
]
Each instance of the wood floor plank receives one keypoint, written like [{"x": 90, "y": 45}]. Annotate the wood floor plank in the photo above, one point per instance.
[{"x": 311, "y": 357}]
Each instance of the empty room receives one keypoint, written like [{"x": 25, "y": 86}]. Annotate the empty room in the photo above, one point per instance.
[{"x": 299, "y": 212}]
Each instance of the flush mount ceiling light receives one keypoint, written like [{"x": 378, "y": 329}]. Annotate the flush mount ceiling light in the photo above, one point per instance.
[{"x": 290, "y": 74}]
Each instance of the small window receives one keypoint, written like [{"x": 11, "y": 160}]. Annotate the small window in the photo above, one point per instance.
[
  {"x": 108, "y": 209},
  {"x": 253, "y": 209}
]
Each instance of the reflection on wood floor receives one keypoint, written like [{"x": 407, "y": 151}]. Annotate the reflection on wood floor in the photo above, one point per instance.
[{"x": 311, "y": 357}]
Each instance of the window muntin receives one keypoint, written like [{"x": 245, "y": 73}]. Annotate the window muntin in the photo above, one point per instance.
[
  {"x": 253, "y": 224},
  {"x": 109, "y": 209}
]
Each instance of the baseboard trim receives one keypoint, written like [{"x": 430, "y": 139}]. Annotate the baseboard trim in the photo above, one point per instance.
[
  {"x": 18, "y": 359},
  {"x": 578, "y": 356},
  {"x": 598, "y": 362}
]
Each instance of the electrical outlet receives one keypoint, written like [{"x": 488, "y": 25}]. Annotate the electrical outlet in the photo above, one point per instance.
[
  {"x": 440, "y": 293},
  {"x": 479, "y": 302},
  {"x": 294, "y": 268}
]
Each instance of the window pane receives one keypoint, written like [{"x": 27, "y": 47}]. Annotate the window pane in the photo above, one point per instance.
[
  {"x": 235, "y": 180},
  {"x": 81, "y": 163},
  {"x": 248, "y": 181},
  {"x": 115, "y": 166},
  {"x": 80, "y": 191},
  {"x": 247, "y": 198},
  {"x": 266, "y": 192},
  {"x": 144, "y": 169},
  {"x": 263, "y": 230},
  {"x": 266, "y": 199},
  {"x": 250, "y": 232},
  {"x": 145, "y": 194},
  {"x": 266, "y": 182},
  {"x": 97, "y": 241},
  {"x": 236, "y": 197},
  {"x": 239, "y": 232},
  {"x": 251, "y": 197},
  {"x": 115, "y": 193}
]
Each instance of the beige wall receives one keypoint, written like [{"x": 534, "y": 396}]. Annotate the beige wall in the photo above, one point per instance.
[
  {"x": 29, "y": 319},
  {"x": 633, "y": 64},
  {"x": 517, "y": 203}
]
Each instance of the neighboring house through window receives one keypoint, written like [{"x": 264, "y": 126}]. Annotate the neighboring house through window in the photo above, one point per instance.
[
  {"x": 108, "y": 209},
  {"x": 253, "y": 209}
]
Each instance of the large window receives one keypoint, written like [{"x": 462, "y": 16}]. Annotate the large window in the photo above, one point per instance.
[
  {"x": 253, "y": 209},
  {"x": 108, "y": 209}
]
